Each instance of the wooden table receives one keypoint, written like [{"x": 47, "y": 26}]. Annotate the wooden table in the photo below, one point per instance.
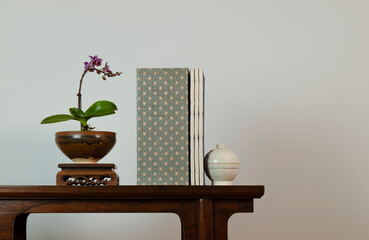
[{"x": 204, "y": 210}]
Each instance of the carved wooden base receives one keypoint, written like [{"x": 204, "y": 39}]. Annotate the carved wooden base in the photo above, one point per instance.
[{"x": 87, "y": 175}]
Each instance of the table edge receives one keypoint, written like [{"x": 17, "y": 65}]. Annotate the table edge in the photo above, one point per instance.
[{"x": 131, "y": 192}]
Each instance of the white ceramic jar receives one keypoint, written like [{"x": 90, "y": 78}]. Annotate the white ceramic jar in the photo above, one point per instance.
[{"x": 221, "y": 165}]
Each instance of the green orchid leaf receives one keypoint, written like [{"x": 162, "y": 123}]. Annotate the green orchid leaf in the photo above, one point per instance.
[
  {"x": 100, "y": 108},
  {"x": 57, "y": 118},
  {"x": 76, "y": 112},
  {"x": 101, "y": 115},
  {"x": 83, "y": 120}
]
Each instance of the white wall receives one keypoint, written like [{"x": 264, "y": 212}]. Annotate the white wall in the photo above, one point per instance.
[{"x": 287, "y": 88}]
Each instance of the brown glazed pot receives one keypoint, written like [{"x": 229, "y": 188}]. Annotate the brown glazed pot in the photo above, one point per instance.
[{"x": 85, "y": 146}]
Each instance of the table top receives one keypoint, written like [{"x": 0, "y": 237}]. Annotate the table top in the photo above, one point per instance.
[{"x": 131, "y": 192}]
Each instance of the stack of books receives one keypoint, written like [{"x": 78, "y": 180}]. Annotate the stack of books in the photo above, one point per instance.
[
  {"x": 197, "y": 126},
  {"x": 170, "y": 126}
]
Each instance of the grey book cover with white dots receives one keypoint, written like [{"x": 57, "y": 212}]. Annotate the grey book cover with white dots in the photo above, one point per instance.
[{"x": 163, "y": 126}]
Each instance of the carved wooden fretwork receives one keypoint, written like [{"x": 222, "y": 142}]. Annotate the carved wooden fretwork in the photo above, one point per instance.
[
  {"x": 87, "y": 180},
  {"x": 87, "y": 175}
]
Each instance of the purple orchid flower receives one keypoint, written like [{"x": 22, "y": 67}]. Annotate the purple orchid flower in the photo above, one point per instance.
[
  {"x": 89, "y": 66},
  {"x": 106, "y": 68},
  {"x": 96, "y": 60}
]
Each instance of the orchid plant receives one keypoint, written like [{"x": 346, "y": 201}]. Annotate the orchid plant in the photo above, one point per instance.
[{"x": 98, "y": 109}]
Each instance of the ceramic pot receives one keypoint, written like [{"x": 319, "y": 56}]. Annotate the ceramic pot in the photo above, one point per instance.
[
  {"x": 221, "y": 165},
  {"x": 85, "y": 146}
]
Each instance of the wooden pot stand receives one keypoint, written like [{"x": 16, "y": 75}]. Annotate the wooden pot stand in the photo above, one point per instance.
[{"x": 87, "y": 175}]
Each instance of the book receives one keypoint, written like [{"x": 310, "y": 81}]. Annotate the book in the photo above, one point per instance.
[
  {"x": 201, "y": 127},
  {"x": 163, "y": 126},
  {"x": 196, "y": 113},
  {"x": 192, "y": 127}
]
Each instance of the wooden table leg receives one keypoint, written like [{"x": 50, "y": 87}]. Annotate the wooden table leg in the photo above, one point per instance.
[
  {"x": 20, "y": 227},
  {"x": 221, "y": 225},
  {"x": 207, "y": 219},
  {"x": 204, "y": 215},
  {"x": 186, "y": 228},
  {"x": 13, "y": 226},
  {"x": 186, "y": 213},
  {"x": 223, "y": 210}
]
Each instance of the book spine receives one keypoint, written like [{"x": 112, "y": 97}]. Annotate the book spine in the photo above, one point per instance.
[
  {"x": 201, "y": 126},
  {"x": 192, "y": 126},
  {"x": 196, "y": 113}
]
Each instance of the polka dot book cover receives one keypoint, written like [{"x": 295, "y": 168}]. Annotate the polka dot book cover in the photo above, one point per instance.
[{"x": 163, "y": 115}]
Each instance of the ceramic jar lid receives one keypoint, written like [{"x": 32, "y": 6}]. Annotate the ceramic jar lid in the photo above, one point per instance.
[{"x": 221, "y": 154}]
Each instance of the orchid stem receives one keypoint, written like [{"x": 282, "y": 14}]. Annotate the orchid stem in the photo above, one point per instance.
[
  {"x": 79, "y": 90},
  {"x": 79, "y": 94}
]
